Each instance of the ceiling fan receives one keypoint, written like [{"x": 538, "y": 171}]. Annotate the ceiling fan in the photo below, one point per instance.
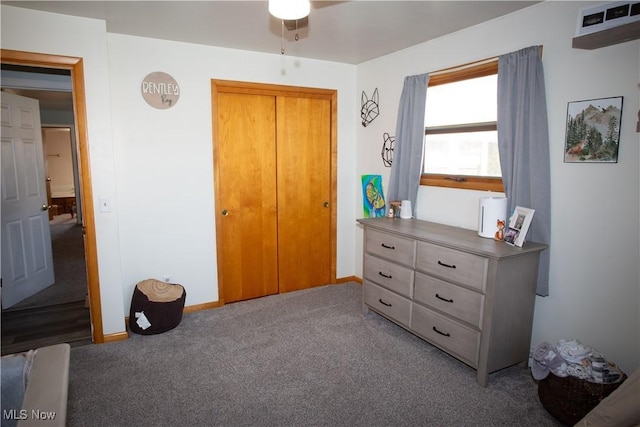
[{"x": 295, "y": 14}]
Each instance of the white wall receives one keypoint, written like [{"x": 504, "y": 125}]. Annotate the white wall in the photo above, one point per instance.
[
  {"x": 58, "y": 160},
  {"x": 164, "y": 158},
  {"x": 595, "y": 273}
]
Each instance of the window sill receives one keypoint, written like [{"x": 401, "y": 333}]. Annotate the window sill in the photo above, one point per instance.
[{"x": 463, "y": 182}]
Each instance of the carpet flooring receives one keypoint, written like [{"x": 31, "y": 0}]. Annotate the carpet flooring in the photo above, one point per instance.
[{"x": 306, "y": 358}]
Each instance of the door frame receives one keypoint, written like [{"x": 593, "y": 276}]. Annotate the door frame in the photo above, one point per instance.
[
  {"x": 229, "y": 86},
  {"x": 75, "y": 66}
]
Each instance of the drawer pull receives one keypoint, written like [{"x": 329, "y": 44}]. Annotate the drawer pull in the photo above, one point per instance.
[
  {"x": 384, "y": 275},
  {"x": 384, "y": 303},
  {"x": 441, "y": 333},
  {"x": 444, "y": 299},
  {"x": 446, "y": 265},
  {"x": 388, "y": 247}
]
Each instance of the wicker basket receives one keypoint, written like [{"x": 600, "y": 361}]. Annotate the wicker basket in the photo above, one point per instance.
[{"x": 569, "y": 399}]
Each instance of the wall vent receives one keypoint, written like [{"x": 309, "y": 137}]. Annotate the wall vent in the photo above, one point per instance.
[
  {"x": 607, "y": 24},
  {"x": 607, "y": 16}
]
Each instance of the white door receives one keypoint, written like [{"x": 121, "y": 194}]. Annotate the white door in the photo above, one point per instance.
[{"x": 27, "y": 257}]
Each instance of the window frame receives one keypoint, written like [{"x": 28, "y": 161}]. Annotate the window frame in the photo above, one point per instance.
[{"x": 451, "y": 75}]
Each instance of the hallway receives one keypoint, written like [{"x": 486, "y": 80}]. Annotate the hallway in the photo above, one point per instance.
[{"x": 58, "y": 313}]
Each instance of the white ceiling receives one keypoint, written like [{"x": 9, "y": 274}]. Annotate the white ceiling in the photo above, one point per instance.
[{"x": 342, "y": 31}]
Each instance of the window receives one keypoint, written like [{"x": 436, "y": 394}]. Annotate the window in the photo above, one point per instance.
[{"x": 461, "y": 137}]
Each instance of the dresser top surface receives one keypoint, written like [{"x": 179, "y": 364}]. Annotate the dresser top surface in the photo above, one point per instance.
[{"x": 449, "y": 236}]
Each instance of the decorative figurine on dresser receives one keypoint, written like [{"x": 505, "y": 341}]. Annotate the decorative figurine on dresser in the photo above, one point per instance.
[{"x": 469, "y": 296}]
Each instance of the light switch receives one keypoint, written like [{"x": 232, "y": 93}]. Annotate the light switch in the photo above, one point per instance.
[{"x": 105, "y": 204}]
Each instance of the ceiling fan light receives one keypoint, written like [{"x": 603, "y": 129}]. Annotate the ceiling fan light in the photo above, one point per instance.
[{"x": 289, "y": 9}]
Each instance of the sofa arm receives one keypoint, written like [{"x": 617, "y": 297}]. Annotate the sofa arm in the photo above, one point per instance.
[
  {"x": 620, "y": 408},
  {"x": 45, "y": 399}
]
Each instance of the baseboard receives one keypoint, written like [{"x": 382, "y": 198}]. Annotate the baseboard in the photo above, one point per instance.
[
  {"x": 220, "y": 303},
  {"x": 118, "y": 336},
  {"x": 216, "y": 304},
  {"x": 349, "y": 279},
  {"x": 205, "y": 306}
]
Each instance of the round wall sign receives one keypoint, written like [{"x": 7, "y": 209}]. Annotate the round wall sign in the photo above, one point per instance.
[{"x": 160, "y": 90}]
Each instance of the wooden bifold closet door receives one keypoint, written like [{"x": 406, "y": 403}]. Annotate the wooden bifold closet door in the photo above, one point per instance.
[{"x": 274, "y": 165}]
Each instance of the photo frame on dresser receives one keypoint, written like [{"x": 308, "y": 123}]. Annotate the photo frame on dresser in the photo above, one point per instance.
[{"x": 519, "y": 223}]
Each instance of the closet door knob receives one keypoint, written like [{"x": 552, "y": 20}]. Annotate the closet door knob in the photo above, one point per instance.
[
  {"x": 325, "y": 204},
  {"x": 225, "y": 212}
]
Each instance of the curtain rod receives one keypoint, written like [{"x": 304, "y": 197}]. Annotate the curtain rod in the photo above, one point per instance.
[
  {"x": 463, "y": 66},
  {"x": 471, "y": 64}
]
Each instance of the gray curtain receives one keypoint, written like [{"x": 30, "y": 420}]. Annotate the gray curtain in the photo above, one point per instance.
[
  {"x": 523, "y": 143},
  {"x": 406, "y": 168}
]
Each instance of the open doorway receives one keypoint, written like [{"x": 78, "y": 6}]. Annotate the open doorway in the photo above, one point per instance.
[
  {"x": 59, "y": 312},
  {"x": 82, "y": 212},
  {"x": 65, "y": 221}
]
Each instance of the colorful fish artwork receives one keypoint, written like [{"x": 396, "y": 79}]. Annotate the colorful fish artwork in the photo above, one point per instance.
[{"x": 373, "y": 196}]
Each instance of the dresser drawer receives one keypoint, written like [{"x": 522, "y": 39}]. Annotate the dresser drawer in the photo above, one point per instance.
[
  {"x": 388, "y": 303},
  {"x": 395, "y": 248},
  {"x": 456, "y": 266},
  {"x": 448, "y": 298},
  {"x": 452, "y": 337},
  {"x": 388, "y": 274}
]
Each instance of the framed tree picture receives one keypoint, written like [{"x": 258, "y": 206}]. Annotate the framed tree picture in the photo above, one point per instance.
[{"x": 593, "y": 130}]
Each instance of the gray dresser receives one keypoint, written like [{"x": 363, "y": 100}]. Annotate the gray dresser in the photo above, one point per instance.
[{"x": 470, "y": 296}]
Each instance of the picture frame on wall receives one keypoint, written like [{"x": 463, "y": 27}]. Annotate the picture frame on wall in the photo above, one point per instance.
[
  {"x": 374, "y": 205},
  {"x": 519, "y": 223},
  {"x": 593, "y": 130}
]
